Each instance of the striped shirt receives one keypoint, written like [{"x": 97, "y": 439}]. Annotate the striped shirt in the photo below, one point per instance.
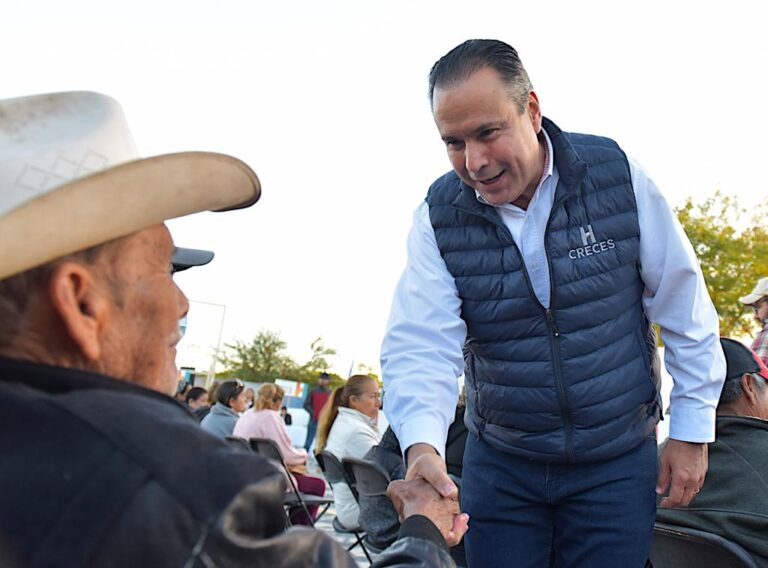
[{"x": 760, "y": 344}]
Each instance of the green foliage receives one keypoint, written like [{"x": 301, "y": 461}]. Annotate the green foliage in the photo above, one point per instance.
[
  {"x": 732, "y": 247},
  {"x": 264, "y": 359}
]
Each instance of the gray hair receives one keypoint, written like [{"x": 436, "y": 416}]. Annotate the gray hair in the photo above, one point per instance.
[
  {"x": 18, "y": 290},
  {"x": 733, "y": 391}
]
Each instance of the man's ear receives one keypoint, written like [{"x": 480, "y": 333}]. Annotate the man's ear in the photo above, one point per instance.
[
  {"x": 533, "y": 108},
  {"x": 82, "y": 304},
  {"x": 749, "y": 388}
]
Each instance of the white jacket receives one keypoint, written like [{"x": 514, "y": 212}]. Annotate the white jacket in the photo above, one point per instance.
[{"x": 351, "y": 436}]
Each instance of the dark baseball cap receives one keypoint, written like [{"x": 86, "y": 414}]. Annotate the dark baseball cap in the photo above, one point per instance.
[
  {"x": 740, "y": 359},
  {"x": 184, "y": 258}
]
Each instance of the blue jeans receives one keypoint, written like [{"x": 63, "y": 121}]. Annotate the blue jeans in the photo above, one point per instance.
[
  {"x": 526, "y": 513},
  {"x": 311, "y": 431}
]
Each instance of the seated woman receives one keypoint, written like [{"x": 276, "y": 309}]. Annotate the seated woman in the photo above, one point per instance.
[
  {"x": 230, "y": 402},
  {"x": 264, "y": 421},
  {"x": 347, "y": 429}
]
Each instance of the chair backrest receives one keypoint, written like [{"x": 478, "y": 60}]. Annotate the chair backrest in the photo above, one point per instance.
[
  {"x": 320, "y": 462},
  {"x": 332, "y": 468},
  {"x": 678, "y": 547},
  {"x": 238, "y": 442},
  {"x": 368, "y": 478},
  {"x": 267, "y": 448},
  {"x": 335, "y": 473}
]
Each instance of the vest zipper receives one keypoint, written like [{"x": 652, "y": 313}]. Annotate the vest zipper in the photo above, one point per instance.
[
  {"x": 554, "y": 341},
  {"x": 561, "y": 395}
]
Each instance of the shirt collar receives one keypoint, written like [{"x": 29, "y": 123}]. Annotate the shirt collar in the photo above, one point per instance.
[
  {"x": 356, "y": 414},
  {"x": 549, "y": 168}
]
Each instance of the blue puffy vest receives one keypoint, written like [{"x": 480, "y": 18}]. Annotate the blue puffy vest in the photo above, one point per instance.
[{"x": 576, "y": 382}]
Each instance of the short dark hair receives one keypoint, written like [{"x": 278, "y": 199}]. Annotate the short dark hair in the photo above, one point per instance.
[
  {"x": 732, "y": 389},
  {"x": 16, "y": 291},
  {"x": 475, "y": 54},
  {"x": 195, "y": 393},
  {"x": 228, "y": 390}
]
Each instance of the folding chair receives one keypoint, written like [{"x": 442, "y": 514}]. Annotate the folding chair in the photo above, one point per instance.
[
  {"x": 238, "y": 442},
  {"x": 334, "y": 473},
  {"x": 679, "y": 547},
  {"x": 366, "y": 478},
  {"x": 268, "y": 449}
]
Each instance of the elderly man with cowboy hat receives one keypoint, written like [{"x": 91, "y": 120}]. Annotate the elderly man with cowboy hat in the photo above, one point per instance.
[
  {"x": 100, "y": 466},
  {"x": 758, "y": 301}
]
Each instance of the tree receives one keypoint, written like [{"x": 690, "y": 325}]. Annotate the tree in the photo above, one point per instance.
[
  {"x": 262, "y": 360},
  {"x": 318, "y": 362},
  {"x": 733, "y": 251}
]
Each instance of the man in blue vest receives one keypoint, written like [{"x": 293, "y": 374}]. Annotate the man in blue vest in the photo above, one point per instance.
[{"x": 535, "y": 267}]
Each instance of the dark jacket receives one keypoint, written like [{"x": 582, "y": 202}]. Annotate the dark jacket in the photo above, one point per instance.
[
  {"x": 101, "y": 472},
  {"x": 315, "y": 401},
  {"x": 574, "y": 382},
  {"x": 733, "y": 502}
]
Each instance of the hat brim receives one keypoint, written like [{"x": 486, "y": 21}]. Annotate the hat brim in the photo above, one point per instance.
[
  {"x": 750, "y": 299},
  {"x": 120, "y": 201},
  {"x": 184, "y": 258}
]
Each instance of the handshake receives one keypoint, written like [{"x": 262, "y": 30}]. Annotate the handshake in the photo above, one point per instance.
[{"x": 427, "y": 490}]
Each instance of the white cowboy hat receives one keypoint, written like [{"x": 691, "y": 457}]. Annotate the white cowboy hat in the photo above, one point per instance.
[
  {"x": 760, "y": 291},
  {"x": 71, "y": 178}
]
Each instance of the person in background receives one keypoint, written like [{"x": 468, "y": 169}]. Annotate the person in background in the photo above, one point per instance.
[
  {"x": 264, "y": 421},
  {"x": 733, "y": 503},
  {"x": 181, "y": 390},
  {"x": 287, "y": 418},
  {"x": 249, "y": 396},
  {"x": 758, "y": 301},
  {"x": 347, "y": 429},
  {"x": 197, "y": 401},
  {"x": 230, "y": 403},
  {"x": 314, "y": 404}
]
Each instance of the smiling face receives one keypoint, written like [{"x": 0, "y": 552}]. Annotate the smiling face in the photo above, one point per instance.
[
  {"x": 146, "y": 305},
  {"x": 492, "y": 146}
]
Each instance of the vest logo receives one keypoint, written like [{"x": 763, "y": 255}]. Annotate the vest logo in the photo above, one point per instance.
[{"x": 590, "y": 244}]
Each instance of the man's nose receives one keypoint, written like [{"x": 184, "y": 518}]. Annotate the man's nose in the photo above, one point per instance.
[
  {"x": 182, "y": 301},
  {"x": 475, "y": 158}
]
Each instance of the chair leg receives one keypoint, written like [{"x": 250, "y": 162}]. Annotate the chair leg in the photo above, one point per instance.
[{"x": 359, "y": 541}]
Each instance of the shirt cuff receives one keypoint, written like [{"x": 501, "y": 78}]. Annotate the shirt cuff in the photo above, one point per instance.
[
  {"x": 419, "y": 526},
  {"x": 423, "y": 430},
  {"x": 692, "y": 424}
]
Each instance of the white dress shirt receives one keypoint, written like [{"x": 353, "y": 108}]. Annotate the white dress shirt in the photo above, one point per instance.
[{"x": 421, "y": 355}]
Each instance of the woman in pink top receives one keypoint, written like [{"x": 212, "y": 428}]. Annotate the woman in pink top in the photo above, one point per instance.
[{"x": 264, "y": 421}]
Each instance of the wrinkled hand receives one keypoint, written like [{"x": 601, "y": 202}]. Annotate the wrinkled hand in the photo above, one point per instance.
[
  {"x": 418, "y": 497},
  {"x": 685, "y": 464},
  {"x": 424, "y": 463}
]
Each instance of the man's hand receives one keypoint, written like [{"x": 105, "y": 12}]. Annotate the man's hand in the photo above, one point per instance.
[
  {"x": 417, "y": 497},
  {"x": 685, "y": 464},
  {"x": 424, "y": 463}
]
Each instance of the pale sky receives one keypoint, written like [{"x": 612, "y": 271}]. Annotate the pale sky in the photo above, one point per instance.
[{"x": 327, "y": 102}]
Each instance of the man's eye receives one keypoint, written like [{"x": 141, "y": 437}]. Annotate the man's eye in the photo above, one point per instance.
[
  {"x": 454, "y": 144},
  {"x": 489, "y": 132}
]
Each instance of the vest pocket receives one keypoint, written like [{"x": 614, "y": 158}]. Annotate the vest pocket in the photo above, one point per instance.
[
  {"x": 645, "y": 354},
  {"x": 472, "y": 390}
]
